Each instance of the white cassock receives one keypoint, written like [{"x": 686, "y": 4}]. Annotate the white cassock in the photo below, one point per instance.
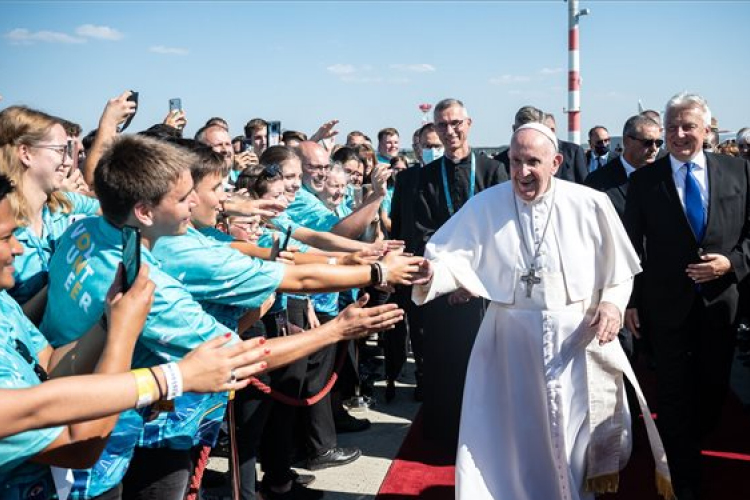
[{"x": 544, "y": 414}]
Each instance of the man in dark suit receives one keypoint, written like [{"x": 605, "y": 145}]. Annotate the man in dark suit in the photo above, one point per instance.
[
  {"x": 641, "y": 141},
  {"x": 403, "y": 227},
  {"x": 688, "y": 216},
  {"x": 451, "y": 322},
  {"x": 599, "y": 153},
  {"x": 573, "y": 167}
]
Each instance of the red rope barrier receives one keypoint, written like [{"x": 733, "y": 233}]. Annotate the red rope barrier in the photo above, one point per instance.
[
  {"x": 291, "y": 401},
  {"x": 197, "y": 478}
]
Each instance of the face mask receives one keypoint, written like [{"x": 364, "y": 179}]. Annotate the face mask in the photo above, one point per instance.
[
  {"x": 431, "y": 154},
  {"x": 602, "y": 149}
]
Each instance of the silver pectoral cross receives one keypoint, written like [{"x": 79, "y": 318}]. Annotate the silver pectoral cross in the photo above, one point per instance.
[{"x": 531, "y": 279}]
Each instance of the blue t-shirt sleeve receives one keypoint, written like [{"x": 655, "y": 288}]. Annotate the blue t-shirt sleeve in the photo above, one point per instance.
[
  {"x": 240, "y": 280},
  {"x": 307, "y": 211},
  {"x": 83, "y": 204},
  {"x": 177, "y": 324}
]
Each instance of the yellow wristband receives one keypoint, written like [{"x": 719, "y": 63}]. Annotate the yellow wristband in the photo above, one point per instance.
[{"x": 148, "y": 391}]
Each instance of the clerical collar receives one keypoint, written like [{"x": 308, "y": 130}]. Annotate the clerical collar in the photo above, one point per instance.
[{"x": 465, "y": 159}]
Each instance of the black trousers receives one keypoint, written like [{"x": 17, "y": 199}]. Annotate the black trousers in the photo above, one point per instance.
[
  {"x": 252, "y": 409},
  {"x": 321, "y": 428},
  {"x": 452, "y": 331},
  {"x": 158, "y": 474},
  {"x": 301, "y": 379},
  {"x": 693, "y": 364},
  {"x": 395, "y": 345}
]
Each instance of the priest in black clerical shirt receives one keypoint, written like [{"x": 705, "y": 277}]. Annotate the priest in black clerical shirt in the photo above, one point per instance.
[{"x": 450, "y": 323}]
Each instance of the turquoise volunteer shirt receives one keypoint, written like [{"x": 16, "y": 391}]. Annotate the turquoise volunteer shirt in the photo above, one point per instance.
[
  {"x": 224, "y": 281},
  {"x": 81, "y": 271},
  {"x": 308, "y": 211},
  {"x": 32, "y": 266},
  {"x": 20, "y": 478}
]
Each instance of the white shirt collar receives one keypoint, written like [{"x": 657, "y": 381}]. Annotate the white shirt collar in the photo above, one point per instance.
[
  {"x": 629, "y": 169},
  {"x": 699, "y": 161}
]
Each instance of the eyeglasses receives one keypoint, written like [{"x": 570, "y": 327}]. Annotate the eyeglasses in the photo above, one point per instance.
[
  {"x": 454, "y": 124},
  {"x": 64, "y": 149},
  {"x": 602, "y": 142},
  {"x": 26, "y": 355},
  {"x": 648, "y": 143}
]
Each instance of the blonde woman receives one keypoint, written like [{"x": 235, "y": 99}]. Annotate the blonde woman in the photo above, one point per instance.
[{"x": 36, "y": 153}]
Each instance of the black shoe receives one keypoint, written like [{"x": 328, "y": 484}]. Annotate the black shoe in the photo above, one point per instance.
[
  {"x": 333, "y": 457},
  {"x": 390, "y": 391},
  {"x": 296, "y": 493},
  {"x": 418, "y": 393},
  {"x": 302, "y": 479},
  {"x": 347, "y": 423}
]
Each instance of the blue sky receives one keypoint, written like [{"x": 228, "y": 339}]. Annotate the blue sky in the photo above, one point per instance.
[{"x": 370, "y": 64}]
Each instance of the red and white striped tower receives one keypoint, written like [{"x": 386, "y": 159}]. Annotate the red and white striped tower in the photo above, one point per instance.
[{"x": 574, "y": 73}]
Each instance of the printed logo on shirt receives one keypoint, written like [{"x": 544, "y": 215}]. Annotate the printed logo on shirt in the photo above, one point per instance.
[{"x": 77, "y": 257}]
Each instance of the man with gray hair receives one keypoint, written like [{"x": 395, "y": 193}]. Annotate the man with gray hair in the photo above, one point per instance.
[
  {"x": 543, "y": 414},
  {"x": 445, "y": 185},
  {"x": 573, "y": 166},
  {"x": 687, "y": 294}
]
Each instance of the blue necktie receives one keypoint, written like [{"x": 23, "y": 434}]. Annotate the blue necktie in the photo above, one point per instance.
[{"x": 693, "y": 204}]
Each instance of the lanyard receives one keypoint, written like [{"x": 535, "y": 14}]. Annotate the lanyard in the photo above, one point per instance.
[{"x": 472, "y": 178}]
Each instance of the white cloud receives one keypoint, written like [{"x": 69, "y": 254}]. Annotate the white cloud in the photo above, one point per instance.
[
  {"x": 22, "y": 36},
  {"x": 342, "y": 69},
  {"x": 550, "y": 71},
  {"x": 161, "y": 49},
  {"x": 508, "y": 79},
  {"x": 100, "y": 32},
  {"x": 414, "y": 68}
]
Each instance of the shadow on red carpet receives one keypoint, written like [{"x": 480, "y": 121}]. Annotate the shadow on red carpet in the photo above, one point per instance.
[{"x": 424, "y": 470}]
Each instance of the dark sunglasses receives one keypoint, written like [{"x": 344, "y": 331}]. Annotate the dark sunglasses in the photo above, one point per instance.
[
  {"x": 648, "y": 143},
  {"x": 26, "y": 355}
]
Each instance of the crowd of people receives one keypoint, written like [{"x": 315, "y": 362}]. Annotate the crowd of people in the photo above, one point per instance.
[{"x": 266, "y": 260}]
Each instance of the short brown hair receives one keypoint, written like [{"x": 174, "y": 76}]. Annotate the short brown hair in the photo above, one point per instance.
[
  {"x": 386, "y": 132},
  {"x": 253, "y": 126},
  {"x": 138, "y": 169}
]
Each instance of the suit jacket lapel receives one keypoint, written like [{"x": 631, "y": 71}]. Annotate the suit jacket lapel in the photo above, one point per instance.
[
  {"x": 621, "y": 178},
  {"x": 715, "y": 177}
]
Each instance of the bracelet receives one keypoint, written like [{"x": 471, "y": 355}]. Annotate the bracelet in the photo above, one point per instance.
[
  {"x": 174, "y": 380},
  {"x": 375, "y": 273},
  {"x": 156, "y": 379},
  {"x": 147, "y": 389},
  {"x": 383, "y": 274}
]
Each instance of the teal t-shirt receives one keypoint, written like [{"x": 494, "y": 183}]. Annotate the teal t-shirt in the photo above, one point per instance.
[
  {"x": 81, "y": 272},
  {"x": 224, "y": 281},
  {"x": 20, "y": 478},
  {"x": 32, "y": 266},
  {"x": 308, "y": 211}
]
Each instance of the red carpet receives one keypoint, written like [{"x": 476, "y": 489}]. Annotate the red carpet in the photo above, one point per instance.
[{"x": 423, "y": 470}]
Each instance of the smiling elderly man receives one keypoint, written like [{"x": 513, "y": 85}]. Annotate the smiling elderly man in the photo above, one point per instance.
[{"x": 543, "y": 413}]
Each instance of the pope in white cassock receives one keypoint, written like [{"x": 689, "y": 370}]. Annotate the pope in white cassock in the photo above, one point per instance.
[{"x": 544, "y": 415}]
